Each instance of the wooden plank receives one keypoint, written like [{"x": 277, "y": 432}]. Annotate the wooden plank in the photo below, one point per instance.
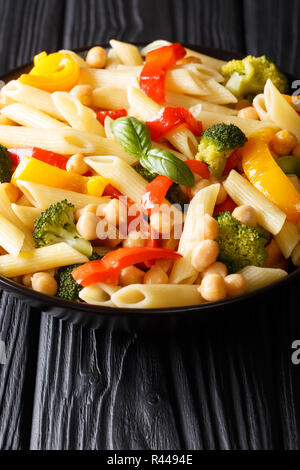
[
  {"x": 28, "y": 27},
  {"x": 271, "y": 28},
  {"x": 215, "y": 23}
]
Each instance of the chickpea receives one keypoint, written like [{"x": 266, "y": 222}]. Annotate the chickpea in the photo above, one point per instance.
[
  {"x": 96, "y": 57},
  {"x": 210, "y": 227},
  {"x": 76, "y": 164},
  {"x": 248, "y": 113},
  {"x": 296, "y": 151},
  {"x": 93, "y": 208},
  {"x": 222, "y": 195},
  {"x": 205, "y": 254},
  {"x": 283, "y": 142},
  {"x": 44, "y": 283},
  {"x": 12, "y": 192},
  {"x": 162, "y": 222},
  {"x": 242, "y": 104},
  {"x": 246, "y": 215},
  {"x": 115, "y": 212},
  {"x": 235, "y": 284},
  {"x": 213, "y": 288},
  {"x": 87, "y": 226},
  {"x": 216, "y": 268},
  {"x": 170, "y": 243},
  {"x": 156, "y": 275},
  {"x": 131, "y": 275},
  {"x": 83, "y": 93},
  {"x": 27, "y": 280},
  {"x": 108, "y": 233},
  {"x": 164, "y": 264},
  {"x": 134, "y": 239},
  {"x": 274, "y": 254}
]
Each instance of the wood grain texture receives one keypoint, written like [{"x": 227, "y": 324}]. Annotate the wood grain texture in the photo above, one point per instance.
[{"x": 229, "y": 384}]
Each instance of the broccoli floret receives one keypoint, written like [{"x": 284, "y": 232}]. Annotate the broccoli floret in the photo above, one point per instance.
[
  {"x": 6, "y": 165},
  {"x": 56, "y": 224},
  {"x": 174, "y": 194},
  {"x": 68, "y": 288},
  {"x": 240, "y": 245},
  {"x": 217, "y": 143},
  {"x": 247, "y": 77}
]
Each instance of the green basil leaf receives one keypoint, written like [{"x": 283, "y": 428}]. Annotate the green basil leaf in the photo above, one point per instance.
[
  {"x": 132, "y": 134},
  {"x": 165, "y": 163}
]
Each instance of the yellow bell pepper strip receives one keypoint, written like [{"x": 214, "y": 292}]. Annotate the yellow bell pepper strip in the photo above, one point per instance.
[
  {"x": 36, "y": 171},
  {"x": 263, "y": 172},
  {"x": 53, "y": 72}
]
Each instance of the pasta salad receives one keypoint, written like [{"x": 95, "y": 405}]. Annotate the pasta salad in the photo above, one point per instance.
[{"x": 148, "y": 179}]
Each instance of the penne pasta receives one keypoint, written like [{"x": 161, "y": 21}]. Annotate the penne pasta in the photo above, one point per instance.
[
  {"x": 41, "y": 196},
  {"x": 127, "y": 53},
  {"x": 219, "y": 94},
  {"x": 99, "y": 294},
  {"x": 202, "y": 203},
  {"x": 280, "y": 111},
  {"x": 259, "y": 104},
  {"x": 11, "y": 237},
  {"x": 156, "y": 296},
  {"x": 179, "y": 99},
  {"x": 109, "y": 97},
  {"x": 79, "y": 117},
  {"x": 104, "y": 77},
  {"x": 112, "y": 60},
  {"x": 40, "y": 259},
  {"x": 28, "y": 95},
  {"x": 242, "y": 192},
  {"x": 26, "y": 214},
  {"x": 182, "y": 80},
  {"x": 248, "y": 126},
  {"x": 260, "y": 277},
  {"x": 288, "y": 238},
  {"x": 31, "y": 117}
]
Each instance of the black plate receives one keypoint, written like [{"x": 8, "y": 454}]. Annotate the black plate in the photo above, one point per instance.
[{"x": 95, "y": 316}]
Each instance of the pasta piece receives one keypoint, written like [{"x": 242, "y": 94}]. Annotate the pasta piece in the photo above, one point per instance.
[
  {"x": 104, "y": 77},
  {"x": 288, "y": 238},
  {"x": 11, "y": 237},
  {"x": 127, "y": 53},
  {"x": 280, "y": 111},
  {"x": 260, "y": 107},
  {"x": 31, "y": 117},
  {"x": 156, "y": 296},
  {"x": 219, "y": 94},
  {"x": 41, "y": 196},
  {"x": 79, "y": 117},
  {"x": 108, "y": 132},
  {"x": 26, "y": 214},
  {"x": 248, "y": 126},
  {"x": 112, "y": 60},
  {"x": 145, "y": 108},
  {"x": 40, "y": 259},
  {"x": 261, "y": 277},
  {"x": 182, "y": 80},
  {"x": 177, "y": 99},
  {"x": 27, "y": 94},
  {"x": 242, "y": 192},
  {"x": 7, "y": 212},
  {"x": 5, "y": 121},
  {"x": 207, "y": 60},
  {"x": 122, "y": 175},
  {"x": 99, "y": 294},
  {"x": 203, "y": 72},
  {"x": 169, "y": 149},
  {"x": 202, "y": 203},
  {"x": 109, "y": 97}
]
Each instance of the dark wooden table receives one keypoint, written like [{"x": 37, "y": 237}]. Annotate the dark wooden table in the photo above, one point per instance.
[{"x": 226, "y": 384}]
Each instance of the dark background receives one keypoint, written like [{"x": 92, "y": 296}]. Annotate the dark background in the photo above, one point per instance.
[{"x": 225, "y": 384}]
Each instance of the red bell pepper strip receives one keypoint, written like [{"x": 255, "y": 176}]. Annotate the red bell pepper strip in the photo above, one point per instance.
[
  {"x": 231, "y": 162},
  {"x": 54, "y": 159},
  {"x": 155, "y": 192},
  {"x": 108, "y": 269},
  {"x": 113, "y": 114},
  {"x": 158, "y": 62},
  {"x": 111, "y": 191},
  {"x": 228, "y": 205},
  {"x": 169, "y": 118},
  {"x": 199, "y": 168}
]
